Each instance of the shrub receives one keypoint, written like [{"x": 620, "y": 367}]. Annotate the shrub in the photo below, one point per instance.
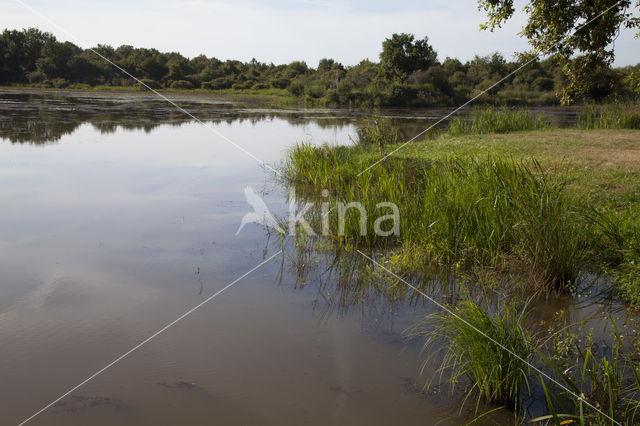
[
  {"x": 378, "y": 133},
  {"x": 59, "y": 83},
  {"x": 80, "y": 86},
  {"x": 36, "y": 77},
  {"x": 181, "y": 84},
  {"x": 243, "y": 85},
  {"x": 148, "y": 83},
  {"x": 219, "y": 83}
]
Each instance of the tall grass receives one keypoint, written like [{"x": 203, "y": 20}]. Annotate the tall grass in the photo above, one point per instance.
[
  {"x": 495, "y": 352},
  {"x": 609, "y": 382},
  {"x": 483, "y": 211},
  {"x": 615, "y": 116},
  {"x": 490, "y": 120},
  {"x": 379, "y": 134},
  {"x": 491, "y": 350}
]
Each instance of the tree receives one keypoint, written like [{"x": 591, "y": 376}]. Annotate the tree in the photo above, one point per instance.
[
  {"x": 56, "y": 59},
  {"x": 579, "y": 33},
  {"x": 19, "y": 51},
  {"x": 401, "y": 56}
]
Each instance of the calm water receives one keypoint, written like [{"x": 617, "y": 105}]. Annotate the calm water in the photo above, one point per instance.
[{"x": 118, "y": 214}]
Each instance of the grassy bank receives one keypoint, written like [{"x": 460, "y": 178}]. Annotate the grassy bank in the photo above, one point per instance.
[
  {"x": 276, "y": 97},
  {"x": 547, "y": 203}
]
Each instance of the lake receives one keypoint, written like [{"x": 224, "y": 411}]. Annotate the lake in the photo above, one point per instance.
[{"x": 119, "y": 214}]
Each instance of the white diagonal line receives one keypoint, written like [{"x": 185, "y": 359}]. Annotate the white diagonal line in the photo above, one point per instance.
[
  {"x": 485, "y": 90},
  {"x": 501, "y": 346},
  {"x": 145, "y": 341},
  {"x": 214, "y": 130}
]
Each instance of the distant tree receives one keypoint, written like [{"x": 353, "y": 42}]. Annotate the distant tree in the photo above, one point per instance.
[
  {"x": 328, "y": 65},
  {"x": 401, "y": 56},
  {"x": 19, "y": 51},
  {"x": 551, "y": 26},
  {"x": 295, "y": 69},
  {"x": 55, "y": 61},
  {"x": 153, "y": 68},
  {"x": 83, "y": 70}
]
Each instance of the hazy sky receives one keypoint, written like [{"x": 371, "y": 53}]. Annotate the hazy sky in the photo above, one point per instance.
[{"x": 279, "y": 31}]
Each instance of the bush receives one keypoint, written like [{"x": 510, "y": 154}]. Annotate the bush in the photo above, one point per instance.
[
  {"x": 281, "y": 83},
  {"x": 379, "y": 134},
  {"x": 59, "y": 83},
  {"x": 80, "y": 86},
  {"x": 219, "y": 83},
  {"x": 243, "y": 85},
  {"x": 296, "y": 88},
  {"x": 148, "y": 83},
  {"x": 181, "y": 84},
  {"x": 36, "y": 77}
]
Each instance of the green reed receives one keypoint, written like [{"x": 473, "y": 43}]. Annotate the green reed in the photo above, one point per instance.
[
  {"x": 492, "y": 350},
  {"x": 490, "y": 120},
  {"x": 614, "y": 116},
  {"x": 483, "y": 211},
  {"x": 610, "y": 382}
]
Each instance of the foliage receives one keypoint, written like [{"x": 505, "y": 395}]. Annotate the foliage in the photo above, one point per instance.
[
  {"x": 401, "y": 56},
  {"x": 408, "y": 74},
  {"x": 555, "y": 29}
]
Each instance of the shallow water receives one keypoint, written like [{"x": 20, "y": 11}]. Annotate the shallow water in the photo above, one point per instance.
[{"x": 119, "y": 214}]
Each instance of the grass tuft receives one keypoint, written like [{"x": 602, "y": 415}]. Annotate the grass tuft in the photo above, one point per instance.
[{"x": 491, "y": 349}]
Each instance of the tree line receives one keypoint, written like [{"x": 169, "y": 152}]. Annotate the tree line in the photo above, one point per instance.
[{"x": 408, "y": 73}]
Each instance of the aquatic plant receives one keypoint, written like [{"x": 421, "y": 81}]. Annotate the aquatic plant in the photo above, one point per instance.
[
  {"x": 490, "y": 120},
  {"x": 492, "y": 350},
  {"x": 609, "y": 382},
  {"x": 378, "y": 133},
  {"x": 613, "y": 116},
  {"x": 480, "y": 211}
]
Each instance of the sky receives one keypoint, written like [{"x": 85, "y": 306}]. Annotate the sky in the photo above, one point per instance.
[{"x": 279, "y": 31}]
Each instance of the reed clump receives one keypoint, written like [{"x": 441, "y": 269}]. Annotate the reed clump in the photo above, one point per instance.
[
  {"x": 492, "y": 350},
  {"x": 480, "y": 211},
  {"x": 491, "y": 120},
  {"x": 614, "y": 116}
]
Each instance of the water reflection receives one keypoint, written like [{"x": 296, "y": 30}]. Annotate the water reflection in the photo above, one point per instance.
[{"x": 40, "y": 118}]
